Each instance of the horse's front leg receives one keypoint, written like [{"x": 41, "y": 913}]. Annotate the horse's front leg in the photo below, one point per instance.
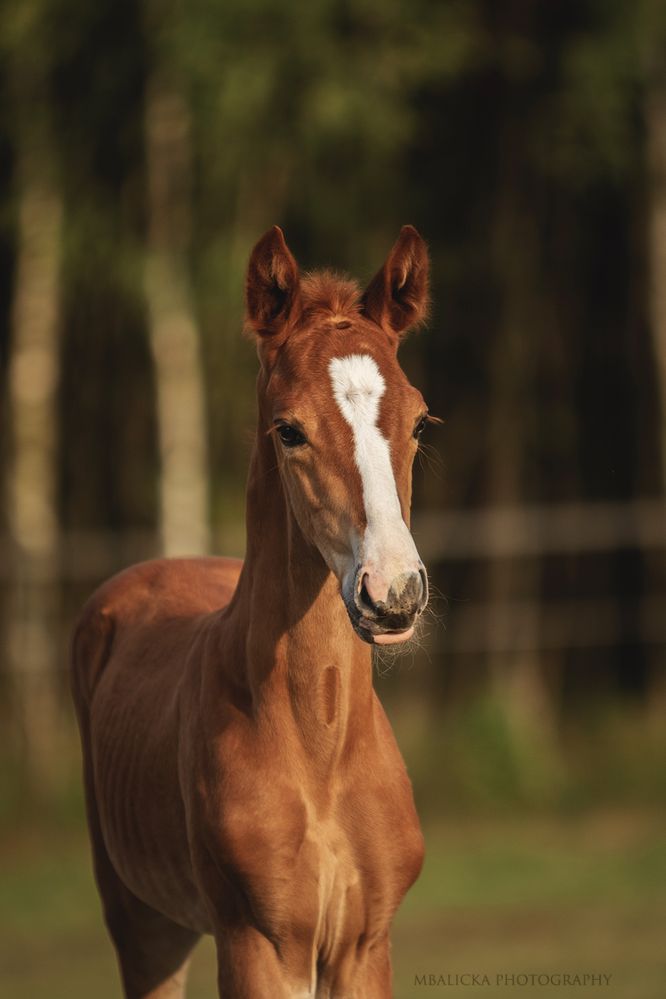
[
  {"x": 251, "y": 967},
  {"x": 361, "y": 972},
  {"x": 378, "y": 976}
]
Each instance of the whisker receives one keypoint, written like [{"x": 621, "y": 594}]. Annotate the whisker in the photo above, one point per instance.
[
  {"x": 387, "y": 658},
  {"x": 433, "y": 457}
]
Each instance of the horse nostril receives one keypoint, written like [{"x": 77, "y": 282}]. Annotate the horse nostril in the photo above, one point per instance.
[
  {"x": 409, "y": 597},
  {"x": 364, "y": 598},
  {"x": 405, "y": 597},
  {"x": 423, "y": 596}
]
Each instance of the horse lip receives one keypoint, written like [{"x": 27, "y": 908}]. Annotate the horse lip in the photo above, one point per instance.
[
  {"x": 373, "y": 633},
  {"x": 394, "y": 637},
  {"x": 376, "y": 635}
]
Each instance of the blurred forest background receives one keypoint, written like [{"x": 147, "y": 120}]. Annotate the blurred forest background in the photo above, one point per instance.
[{"x": 144, "y": 148}]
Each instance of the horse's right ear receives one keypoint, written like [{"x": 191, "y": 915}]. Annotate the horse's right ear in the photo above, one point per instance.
[{"x": 272, "y": 285}]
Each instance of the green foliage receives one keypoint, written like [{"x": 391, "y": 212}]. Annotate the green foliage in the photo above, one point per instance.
[
  {"x": 513, "y": 135},
  {"x": 477, "y": 757},
  {"x": 315, "y": 116}
]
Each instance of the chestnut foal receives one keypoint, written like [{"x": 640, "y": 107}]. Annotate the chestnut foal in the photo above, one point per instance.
[{"x": 241, "y": 776}]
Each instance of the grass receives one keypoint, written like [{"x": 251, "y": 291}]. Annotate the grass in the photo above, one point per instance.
[
  {"x": 543, "y": 895},
  {"x": 520, "y": 894}
]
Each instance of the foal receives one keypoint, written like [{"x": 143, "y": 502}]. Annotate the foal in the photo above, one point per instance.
[{"x": 241, "y": 776}]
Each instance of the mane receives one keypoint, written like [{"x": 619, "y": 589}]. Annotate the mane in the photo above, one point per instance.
[{"x": 325, "y": 293}]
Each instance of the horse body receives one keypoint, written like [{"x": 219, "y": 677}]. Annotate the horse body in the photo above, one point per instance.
[
  {"x": 241, "y": 776},
  {"x": 157, "y": 615}
]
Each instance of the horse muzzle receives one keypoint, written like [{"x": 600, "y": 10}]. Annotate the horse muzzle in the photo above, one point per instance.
[{"x": 384, "y": 612}]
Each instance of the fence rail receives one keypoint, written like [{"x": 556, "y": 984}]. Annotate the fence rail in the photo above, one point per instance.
[
  {"x": 484, "y": 533},
  {"x": 85, "y": 557},
  {"x": 529, "y": 625},
  {"x": 556, "y": 529}
]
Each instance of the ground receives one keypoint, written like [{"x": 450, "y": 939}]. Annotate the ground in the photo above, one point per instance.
[{"x": 515, "y": 895}]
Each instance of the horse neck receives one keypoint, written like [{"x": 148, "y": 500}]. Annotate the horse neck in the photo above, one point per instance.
[{"x": 301, "y": 660}]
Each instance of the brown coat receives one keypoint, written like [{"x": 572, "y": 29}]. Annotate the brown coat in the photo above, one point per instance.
[{"x": 241, "y": 776}]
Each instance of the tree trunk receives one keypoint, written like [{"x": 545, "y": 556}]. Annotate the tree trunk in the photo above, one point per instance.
[
  {"x": 32, "y": 416},
  {"x": 514, "y": 665},
  {"x": 655, "y": 122},
  {"x": 516, "y": 669},
  {"x": 174, "y": 340},
  {"x": 655, "y": 119}
]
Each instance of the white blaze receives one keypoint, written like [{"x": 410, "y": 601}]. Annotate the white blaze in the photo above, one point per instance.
[{"x": 387, "y": 546}]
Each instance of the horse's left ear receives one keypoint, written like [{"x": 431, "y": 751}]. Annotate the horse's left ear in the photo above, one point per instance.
[{"x": 397, "y": 297}]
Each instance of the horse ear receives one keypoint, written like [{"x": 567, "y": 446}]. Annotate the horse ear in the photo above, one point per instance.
[
  {"x": 397, "y": 297},
  {"x": 271, "y": 286}
]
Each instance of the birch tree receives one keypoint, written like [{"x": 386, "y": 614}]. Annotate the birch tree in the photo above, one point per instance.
[
  {"x": 174, "y": 339},
  {"x": 33, "y": 374}
]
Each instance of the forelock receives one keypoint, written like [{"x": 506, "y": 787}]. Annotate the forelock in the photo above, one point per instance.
[{"x": 327, "y": 295}]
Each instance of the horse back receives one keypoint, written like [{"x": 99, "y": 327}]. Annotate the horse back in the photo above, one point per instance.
[{"x": 151, "y": 606}]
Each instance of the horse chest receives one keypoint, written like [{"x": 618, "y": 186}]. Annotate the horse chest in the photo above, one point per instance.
[
  {"x": 329, "y": 879},
  {"x": 328, "y": 861}
]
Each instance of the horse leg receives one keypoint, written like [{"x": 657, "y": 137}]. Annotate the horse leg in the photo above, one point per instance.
[
  {"x": 379, "y": 980},
  {"x": 248, "y": 967},
  {"x": 362, "y": 973},
  {"x": 153, "y": 952}
]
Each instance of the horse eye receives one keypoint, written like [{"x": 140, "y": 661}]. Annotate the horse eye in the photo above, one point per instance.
[
  {"x": 420, "y": 426},
  {"x": 290, "y": 436}
]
